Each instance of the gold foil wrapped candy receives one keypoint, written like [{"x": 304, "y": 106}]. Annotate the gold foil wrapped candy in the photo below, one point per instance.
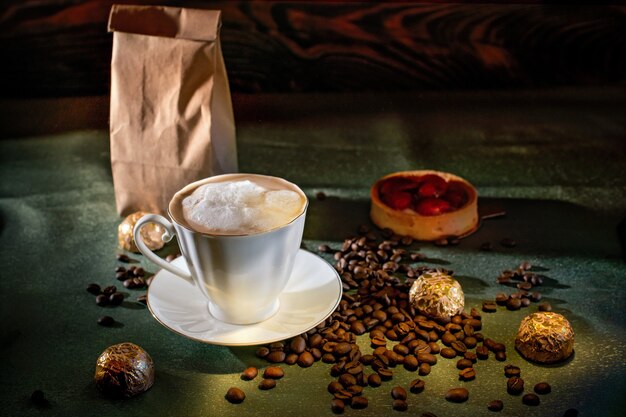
[
  {"x": 545, "y": 337},
  {"x": 151, "y": 233},
  {"x": 437, "y": 295},
  {"x": 124, "y": 370}
]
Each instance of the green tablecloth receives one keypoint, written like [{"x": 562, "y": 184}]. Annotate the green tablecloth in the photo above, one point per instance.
[{"x": 555, "y": 163}]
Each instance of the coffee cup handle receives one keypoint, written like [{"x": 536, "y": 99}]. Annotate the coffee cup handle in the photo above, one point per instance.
[{"x": 167, "y": 236}]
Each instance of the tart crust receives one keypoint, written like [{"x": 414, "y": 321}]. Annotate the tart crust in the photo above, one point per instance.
[{"x": 407, "y": 222}]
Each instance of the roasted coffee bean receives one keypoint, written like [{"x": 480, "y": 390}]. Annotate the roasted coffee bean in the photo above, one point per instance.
[
  {"x": 467, "y": 374},
  {"x": 324, "y": 248},
  {"x": 525, "y": 302},
  {"x": 513, "y": 304},
  {"x": 463, "y": 363},
  {"x": 448, "y": 353},
  {"x": 109, "y": 290},
  {"x": 337, "y": 406},
  {"x": 374, "y": 380},
  {"x": 291, "y": 358},
  {"x": 297, "y": 344},
  {"x": 515, "y": 385},
  {"x": 459, "y": 347},
  {"x": 102, "y": 300},
  {"x": 535, "y": 296},
  {"x": 410, "y": 363},
  {"x": 344, "y": 395},
  {"x": 346, "y": 380},
  {"x": 273, "y": 372},
  {"x": 434, "y": 348},
  {"x": 495, "y": 405},
  {"x": 334, "y": 386},
  {"x": 123, "y": 257},
  {"x": 266, "y": 384},
  {"x": 249, "y": 373},
  {"x": 525, "y": 286},
  {"x": 106, "y": 321},
  {"x": 139, "y": 282},
  {"x": 490, "y": 307},
  {"x": 385, "y": 374},
  {"x": 359, "y": 403},
  {"x": 399, "y": 405},
  {"x": 139, "y": 272},
  {"x": 571, "y": 412},
  {"x": 129, "y": 283},
  {"x": 428, "y": 358},
  {"x": 93, "y": 289},
  {"x": 470, "y": 342},
  {"x": 511, "y": 371},
  {"x": 457, "y": 395},
  {"x": 38, "y": 397},
  {"x": 508, "y": 243},
  {"x": 542, "y": 388},
  {"x": 276, "y": 356},
  {"x": 326, "y": 358},
  {"x": 356, "y": 390},
  {"x": 500, "y": 356},
  {"x": 401, "y": 349},
  {"x": 342, "y": 349},
  {"x": 398, "y": 393},
  {"x": 448, "y": 338},
  {"x": 424, "y": 369},
  {"x": 116, "y": 298},
  {"x": 143, "y": 299},
  {"x": 235, "y": 395},
  {"x": 531, "y": 399},
  {"x": 262, "y": 352},
  {"x": 120, "y": 269},
  {"x": 416, "y": 386},
  {"x": 305, "y": 359},
  {"x": 357, "y": 327},
  {"x": 316, "y": 340},
  {"x": 545, "y": 307},
  {"x": 482, "y": 352},
  {"x": 470, "y": 356}
]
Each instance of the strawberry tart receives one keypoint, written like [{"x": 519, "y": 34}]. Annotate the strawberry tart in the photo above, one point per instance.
[{"x": 426, "y": 205}]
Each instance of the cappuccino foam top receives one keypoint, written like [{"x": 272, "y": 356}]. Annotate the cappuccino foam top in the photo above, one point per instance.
[{"x": 239, "y": 207}]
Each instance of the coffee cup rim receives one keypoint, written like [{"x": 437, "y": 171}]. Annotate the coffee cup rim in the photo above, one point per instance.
[{"x": 238, "y": 174}]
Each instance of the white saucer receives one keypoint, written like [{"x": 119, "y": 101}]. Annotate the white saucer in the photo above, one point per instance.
[{"x": 311, "y": 295}]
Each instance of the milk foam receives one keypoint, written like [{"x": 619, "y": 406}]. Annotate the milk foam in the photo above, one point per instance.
[{"x": 239, "y": 207}]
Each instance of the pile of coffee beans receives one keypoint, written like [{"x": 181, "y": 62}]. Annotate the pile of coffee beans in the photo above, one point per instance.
[
  {"x": 377, "y": 273},
  {"x": 271, "y": 374}
]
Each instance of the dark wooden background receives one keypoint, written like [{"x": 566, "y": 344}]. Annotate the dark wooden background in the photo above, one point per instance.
[{"x": 53, "y": 48}]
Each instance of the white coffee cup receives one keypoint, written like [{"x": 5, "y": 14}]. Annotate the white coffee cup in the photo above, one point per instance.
[{"x": 241, "y": 274}]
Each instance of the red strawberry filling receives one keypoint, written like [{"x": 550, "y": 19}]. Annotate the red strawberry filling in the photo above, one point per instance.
[{"x": 428, "y": 195}]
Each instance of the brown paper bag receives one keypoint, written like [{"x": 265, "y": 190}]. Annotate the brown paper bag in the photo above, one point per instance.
[{"x": 171, "y": 113}]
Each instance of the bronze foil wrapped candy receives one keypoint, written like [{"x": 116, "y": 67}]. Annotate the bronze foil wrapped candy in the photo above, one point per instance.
[
  {"x": 545, "y": 337},
  {"x": 437, "y": 295},
  {"x": 124, "y": 370},
  {"x": 151, "y": 233}
]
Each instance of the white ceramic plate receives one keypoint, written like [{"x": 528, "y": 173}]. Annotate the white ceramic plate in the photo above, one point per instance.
[{"x": 311, "y": 295}]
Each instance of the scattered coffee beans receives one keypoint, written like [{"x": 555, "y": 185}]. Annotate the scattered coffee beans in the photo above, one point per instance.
[
  {"x": 235, "y": 395},
  {"x": 249, "y": 373}
]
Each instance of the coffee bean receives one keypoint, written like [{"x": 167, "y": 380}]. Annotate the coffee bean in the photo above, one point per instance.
[
  {"x": 116, "y": 298},
  {"x": 93, "y": 289},
  {"x": 235, "y": 395},
  {"x": 467, "y": 374},
  {"x": 457, "y": 395},
  {"x": 470, "y": 342},
  {"x": 129, "y": 283},
  {"x": 143, "y": 299},
  {"x": 501, "y": 299},
  {"x": 508, "y": 243},
  {"x": 511, "y": 371},
  {"x": 459, "y": 347},
  {"x": 399, "y": 405},
  {"x": 334, "y": 386},
  {"x": 342, "y": 349},
  {"x": 121, "y": 276},
  {"x": 424, "y": 369},
  {"x": 495, "y": 405},
  {"x": 571, "y": 412},
  {"x": 486, "y": 247},
  {"x": 490, "y": 307},
  {"x": 410, "y": 363},
  {"x": 428, "y": 358},
  {"x": 385, "y": 374},
  {"x": 463, "y": 363},
  {"x": 102, "y": 300},
  {"x": 357, "y": 327},
  {"x": 416, "y": 386},
  {"x": 513, "y": 304},
  {"x": 359, "y": 403},
  {"x": 448, "y": 353},
  {"x": 123, "y": 257},
  {"x": 106, "y": 321},
  {"x": 501, "y": 356},
  {"x": 249, "y": 373},
  {"x": 266, "y": 384},
  {"x": 344, "y": 395},
  {"x": 273, "y": 372},
  {"x": 374, "y": 380},
  {"x": 109, "y": 290},
  {"x": 525, "y": 302},
  {"x": 262, "y": 352},
  {"x": 531, "y": 399},
  {"x": 305, "y": 359},
  {"x": 482, "y": 352},
  {"x": 346, "y": 380},
  {"x": 545, "y": 307},
  {"x": 525, "y": 286},
  {"x": 139, "y": 272},
  {"x": 337, "y": 406},
  {"x": 542, "y": 388},
  {"x": 398, "y": 393},
  {"x": 515, "y": 385},
  {"x": 276, "y": 356}
]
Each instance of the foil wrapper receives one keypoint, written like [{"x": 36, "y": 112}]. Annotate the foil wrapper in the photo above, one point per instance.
[
  {"x": 151, "y": 233},
  {"x": 124, "y": 370},
  {"x": 545, "y": 337},
  {"x": 437, "y": 295}
]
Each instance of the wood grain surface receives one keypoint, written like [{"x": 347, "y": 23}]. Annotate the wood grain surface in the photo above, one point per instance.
[{"x": 62, "y": 48}]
